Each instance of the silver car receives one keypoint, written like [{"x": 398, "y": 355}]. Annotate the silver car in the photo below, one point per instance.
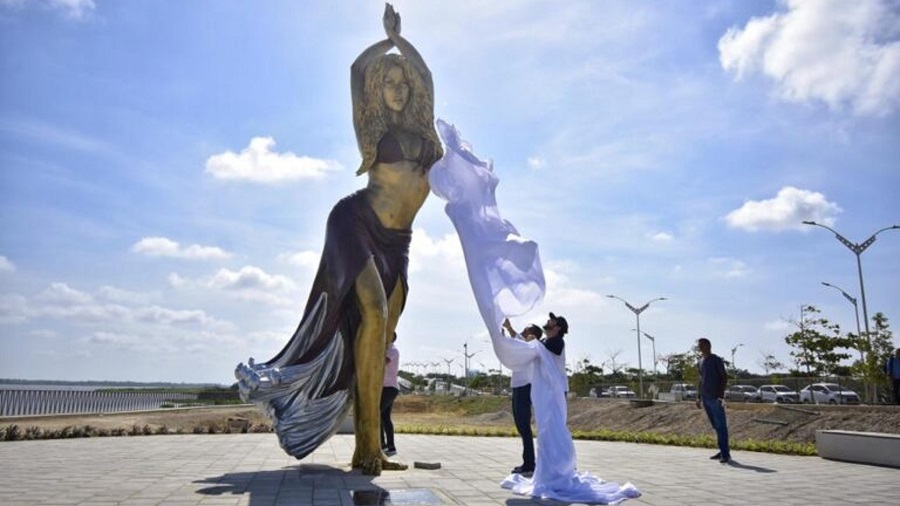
[
  {"x": 778, "y": 393},
  {"x": 828, "y": 393},
  {"x": 742, "y": 393}
]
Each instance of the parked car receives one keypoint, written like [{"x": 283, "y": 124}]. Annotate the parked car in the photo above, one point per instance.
[
  {"x": 683, "y": 392},
  {"x": 619, "y": 391},
  {"x": 778, "y": 393},
  {"x": 742, "y": 393},
  {"x": 830, "y": 393}
]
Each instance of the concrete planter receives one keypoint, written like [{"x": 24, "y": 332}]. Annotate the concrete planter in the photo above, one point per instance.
[{"x": 861, "y": 447}]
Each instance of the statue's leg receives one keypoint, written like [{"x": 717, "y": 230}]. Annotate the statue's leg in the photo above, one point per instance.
[
  {"x": 395, "y": 306},
  {"x": 369, "y": 350}
]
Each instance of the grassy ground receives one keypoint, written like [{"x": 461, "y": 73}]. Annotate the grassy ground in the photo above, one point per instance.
[{"x": 756, "y": 427}]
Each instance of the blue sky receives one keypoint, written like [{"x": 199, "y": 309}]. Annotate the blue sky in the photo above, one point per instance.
[{"x": 166, "y": 169}]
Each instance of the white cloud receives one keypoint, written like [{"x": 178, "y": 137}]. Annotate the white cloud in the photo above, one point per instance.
[
  {"x": 661, "y": 237},
  {"x": 44, "y": 334},
  {"x": 75, "y": 9},
  {"x": 728, "y": 267},
  {"x": 257, "y": 163},
  {"x": 167, "y": 316},
  {"x": 786, "y": 211},
  {"x": 114, "y": 338},
  {"x": 535, "y": 162},
  {"x": 164, "y": 247},
  {"x": 176, "y": 281},
  {"x": 253, "y": 283},
  {"x": 13, "y": 308},
  {"x": 423, "y": 250},
  {"x": 114, "y": 294},
  {"x": 306, "y": 259},
  {"x": 841, "y": 53},
  {"x": 6, "y": 265},
  {"x": 777, "y": 326},
  {"x": 63, "y": 295},
  {"x": 61, "y": 302},
  {"x": 249, "y": 278}
]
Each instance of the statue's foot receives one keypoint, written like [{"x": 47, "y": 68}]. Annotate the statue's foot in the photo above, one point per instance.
[
  {"x": 388, "y": 465},
  {"x": 370, "y": 466},
  {"x": 373, "y": 466}
]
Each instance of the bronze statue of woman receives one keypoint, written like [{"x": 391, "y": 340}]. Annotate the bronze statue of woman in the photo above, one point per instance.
[{"x": 336, "y": 356}]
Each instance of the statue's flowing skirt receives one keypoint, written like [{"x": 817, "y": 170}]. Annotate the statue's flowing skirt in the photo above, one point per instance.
[{"x": 306, "y": 389}]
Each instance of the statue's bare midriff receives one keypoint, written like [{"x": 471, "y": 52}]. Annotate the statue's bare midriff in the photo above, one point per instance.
[{"x": 396, "y": 192}]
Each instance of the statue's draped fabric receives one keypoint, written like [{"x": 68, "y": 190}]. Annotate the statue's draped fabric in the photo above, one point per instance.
[
  {"x": 504, "y": 269},
  {"x": 306, "y": 388},
  {"x": 507, "y": 280}
]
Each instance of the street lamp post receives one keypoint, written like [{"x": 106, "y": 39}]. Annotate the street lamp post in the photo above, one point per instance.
[
  {"x": 857, "y": 249},
  {"x": 448, "y": 361},
  {"x": 466, "y": 366},
  {"x": 852, "y": 300},
  {"x": 652, "y": 340},
  {"x": 637, "y": 314},
  {"x": 733, "y": 350}
]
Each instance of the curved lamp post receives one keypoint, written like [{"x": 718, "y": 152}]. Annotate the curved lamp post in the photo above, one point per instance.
[
  {"x": 637, "y": 314},
  {"x": 652, "y": 340},
  {"x": 857, "y": 249},
  {"x": 852, "y": 300},
  {"x": 733, "y": 351}
]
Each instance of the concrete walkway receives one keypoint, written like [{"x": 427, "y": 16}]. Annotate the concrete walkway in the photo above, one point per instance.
[{"x": 250, "y": 469}]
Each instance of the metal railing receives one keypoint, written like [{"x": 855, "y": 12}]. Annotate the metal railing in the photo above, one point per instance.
[{"x": 58, "y": 402}]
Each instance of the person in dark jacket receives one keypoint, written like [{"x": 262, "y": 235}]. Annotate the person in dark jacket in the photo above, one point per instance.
[
  {"x": 711, "y": 396},
  {"x": 892, "y": 369}
]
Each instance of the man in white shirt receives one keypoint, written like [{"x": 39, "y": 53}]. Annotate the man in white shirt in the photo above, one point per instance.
[{"x": 520, "y": 381}]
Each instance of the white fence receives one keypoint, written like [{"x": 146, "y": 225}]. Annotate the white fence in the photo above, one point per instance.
[{"x": 53, "y": 402}]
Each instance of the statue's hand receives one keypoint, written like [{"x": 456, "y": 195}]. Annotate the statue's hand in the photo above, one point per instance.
[{"x": 391, "y": 20}]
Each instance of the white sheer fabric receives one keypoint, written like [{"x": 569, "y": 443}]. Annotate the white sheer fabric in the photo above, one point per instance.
[{"x": 507, "y": 280}]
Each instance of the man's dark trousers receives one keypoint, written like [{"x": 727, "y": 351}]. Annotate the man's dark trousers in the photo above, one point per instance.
[
  {"x": 716, "y": 413},
  {"x": 521, "y": 405}
]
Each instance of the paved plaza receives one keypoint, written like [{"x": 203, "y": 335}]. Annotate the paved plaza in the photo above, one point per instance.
[{"x": 250, "y": 469}]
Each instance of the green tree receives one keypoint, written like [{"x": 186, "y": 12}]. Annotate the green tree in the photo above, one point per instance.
[
  {"x": 585, "y": 376},
  {"x": 817, "y": 343},
  {"x": 769, "y": 362},
  {"x": 877, "y": 348},
  {"x": 679, "y": 365}
]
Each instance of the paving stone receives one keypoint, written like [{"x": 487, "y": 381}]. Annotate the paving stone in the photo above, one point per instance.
[{"x": 251, "y": 469}]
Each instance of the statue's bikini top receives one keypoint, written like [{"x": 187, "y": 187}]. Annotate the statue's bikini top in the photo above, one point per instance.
[{"x": 390, "y": 150}]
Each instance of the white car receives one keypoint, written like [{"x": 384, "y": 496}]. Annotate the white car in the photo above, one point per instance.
[
  {"x": 619, "y": 391},
  {"x": 828, "y": 393},
  {"x": 778, "y": 393}
]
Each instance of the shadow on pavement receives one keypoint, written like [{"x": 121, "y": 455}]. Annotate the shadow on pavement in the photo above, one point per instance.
[
  {"x": 533, "y": 501},
  {"x": 263, "y": 486},
  {"x": 734, "y": 463}
]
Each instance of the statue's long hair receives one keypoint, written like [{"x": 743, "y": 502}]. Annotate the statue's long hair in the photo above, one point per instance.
[{"x": 374, "y": 119}]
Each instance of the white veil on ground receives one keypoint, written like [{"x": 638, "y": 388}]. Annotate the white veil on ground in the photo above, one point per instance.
[{"x": 507, "y": 280}]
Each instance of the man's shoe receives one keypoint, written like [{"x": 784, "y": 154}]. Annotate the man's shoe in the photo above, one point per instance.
[
  {"x": 725, "y": 460},
  {"x": 526, "y": 470},
  {"x": 717, "y": 456},
  {"x": 390, "y": 452}
]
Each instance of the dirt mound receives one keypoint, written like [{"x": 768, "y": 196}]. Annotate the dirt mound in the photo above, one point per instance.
[{"x": 745, "y": 421}]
